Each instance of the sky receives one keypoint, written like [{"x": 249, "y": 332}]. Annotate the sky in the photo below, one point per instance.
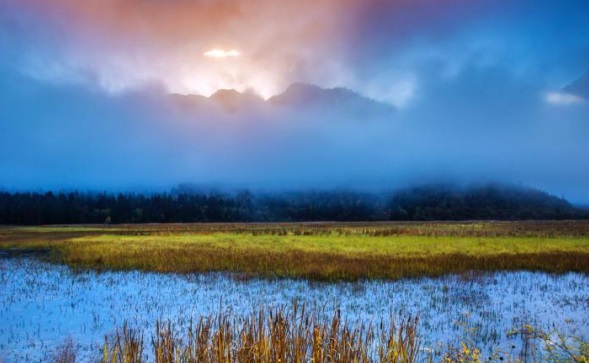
[{"x": 90, "y": 90}]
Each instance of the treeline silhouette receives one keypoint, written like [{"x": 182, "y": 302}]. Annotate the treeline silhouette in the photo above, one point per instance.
[{"x": 186, "y": 204}]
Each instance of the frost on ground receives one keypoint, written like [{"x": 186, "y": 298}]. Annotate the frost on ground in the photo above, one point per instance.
[{"x": 43, "y": 305}]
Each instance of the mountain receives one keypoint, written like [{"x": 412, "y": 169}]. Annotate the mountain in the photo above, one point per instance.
[
  {"x": 580, "y": 87},
  {"x": 227, "y": 100},
  {"x": 188, "y": 102},
  {"x": 231, "y": 100},
  {"x": 298, "y": 97},
  {"x": 488, "y": 201},
  {"x": 301, "y": 95}
]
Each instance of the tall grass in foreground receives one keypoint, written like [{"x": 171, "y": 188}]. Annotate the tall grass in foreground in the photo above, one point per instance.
[
  {"x": 270, "y": 335},
  {"x": 300, "y": 335}
]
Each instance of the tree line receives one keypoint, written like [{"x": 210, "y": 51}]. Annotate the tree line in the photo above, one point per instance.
[{"x": 186, "y": 205}]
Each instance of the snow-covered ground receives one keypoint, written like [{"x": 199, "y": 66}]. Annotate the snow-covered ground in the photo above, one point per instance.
[{"x": 41, "y": 305}]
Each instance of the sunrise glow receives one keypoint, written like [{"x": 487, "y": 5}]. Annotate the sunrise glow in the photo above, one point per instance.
[
  {"x": 220, "y": 53},
  {"x": 267, "y": 93}
]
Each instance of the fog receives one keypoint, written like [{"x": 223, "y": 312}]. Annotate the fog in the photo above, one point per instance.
[
  {"x": 461, "y": 93},
  {"x": 72, "y": 137}
]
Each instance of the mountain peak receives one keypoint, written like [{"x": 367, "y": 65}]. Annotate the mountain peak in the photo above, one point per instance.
[
  {"x": 300, "y": 97},
  {"x": 225, "y": 94},
  {"x": 308, "y": 95},
  {"x": 231, "y": 99},
  {"x": 580, "y": 87}
]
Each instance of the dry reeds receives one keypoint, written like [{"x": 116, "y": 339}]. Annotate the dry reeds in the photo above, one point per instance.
[
  {"x": 126, "y": 346},
  {"x": 271, "y": 335},
  {"x": 65, "y": 353}
]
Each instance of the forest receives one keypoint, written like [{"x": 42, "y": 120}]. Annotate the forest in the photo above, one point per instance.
[{"x": 185, "y": 204}]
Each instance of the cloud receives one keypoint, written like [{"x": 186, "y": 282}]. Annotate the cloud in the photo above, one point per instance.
[
  {"x": 130, "y": 42},
  {"x": 563, "y": 98},
  {"x": 376, "y": 47},
  {"x": 85, "y": 89},
  {"x": 463, "y": 129},
  {"x": 220, "y": 53}
]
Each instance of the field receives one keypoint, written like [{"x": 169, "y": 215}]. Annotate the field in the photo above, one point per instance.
[
  {"x": 321, "y": 292},
  {"x": 318, "y": 251}
]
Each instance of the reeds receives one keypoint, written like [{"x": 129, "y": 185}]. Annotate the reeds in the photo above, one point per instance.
[
  {"x": 126, "y": 346},
  {"x": 299, "y": 335},
  {"x": 65, "y": 353},
  {"x": 272, "y": 335}
]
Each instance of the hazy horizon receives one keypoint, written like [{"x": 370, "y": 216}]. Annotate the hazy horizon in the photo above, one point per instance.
[{"x": 410, "y": 92}]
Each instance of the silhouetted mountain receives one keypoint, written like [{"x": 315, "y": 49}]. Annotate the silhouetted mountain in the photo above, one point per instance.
[
  {"x": 231, "y": 100},
  {"x": 228, "y": 100},
  {"x": 301, "y": 95},
  {"x": 189, "y": 102},
  {"x": 580, "y": 87}
]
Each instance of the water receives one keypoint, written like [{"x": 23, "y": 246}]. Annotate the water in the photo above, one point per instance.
[{"x": 43, "y": 304}]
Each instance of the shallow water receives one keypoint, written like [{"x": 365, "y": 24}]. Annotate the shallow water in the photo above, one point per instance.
[{"x": 42, "y": 304}]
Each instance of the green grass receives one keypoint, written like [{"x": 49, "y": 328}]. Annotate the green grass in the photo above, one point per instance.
[{"x": 322, "y": 251}]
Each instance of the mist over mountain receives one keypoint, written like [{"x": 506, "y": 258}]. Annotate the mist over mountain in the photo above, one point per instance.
[
  {"x": 310, "y": 97},
  {"x": 488, "y": 201},
  {"x": 186, "y": 203},
  {"x": 232, "y": 101},
  {"x": 298, "y": 97},
  {"x": 580, "y": 87},
  {"x": 277, "y": 95},
  {"x": 79, "y": 138}
]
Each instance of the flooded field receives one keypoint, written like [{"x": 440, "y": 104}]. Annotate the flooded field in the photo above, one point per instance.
[{"x": 42, "y": 305}]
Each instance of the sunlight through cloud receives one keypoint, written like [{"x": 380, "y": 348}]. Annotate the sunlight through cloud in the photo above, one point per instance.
[{"x": 220, "y": 53}]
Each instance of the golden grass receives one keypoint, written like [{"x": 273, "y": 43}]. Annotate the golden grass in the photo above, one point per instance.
[
  {"x": 323, "y": 251},
  {"x": 298, "y": 334},
  {"x": 294, "y": 335}
]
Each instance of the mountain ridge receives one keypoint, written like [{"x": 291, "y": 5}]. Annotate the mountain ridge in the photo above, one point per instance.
[
  {"x": 304, "y": 93},
  {"x": 298, "y": 96},
  {"x": 580, "y": 87}
]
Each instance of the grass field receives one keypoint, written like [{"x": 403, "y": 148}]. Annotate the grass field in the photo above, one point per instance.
[{"x": 321, "y": 251}]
